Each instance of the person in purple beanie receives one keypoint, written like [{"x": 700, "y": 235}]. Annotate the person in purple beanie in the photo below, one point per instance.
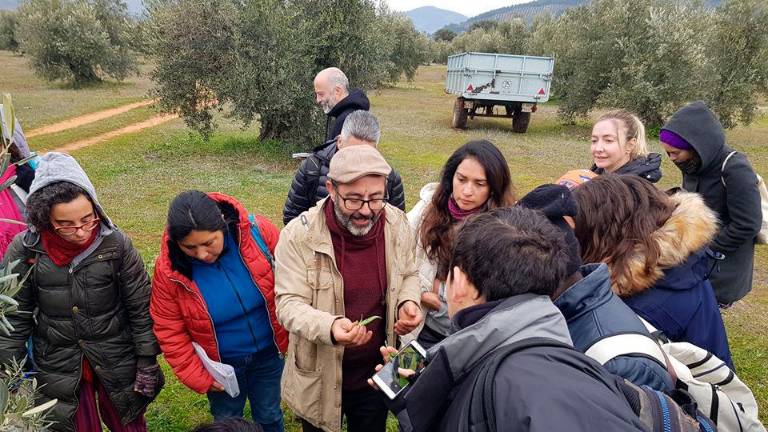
[{"x": 694, "y": 140}]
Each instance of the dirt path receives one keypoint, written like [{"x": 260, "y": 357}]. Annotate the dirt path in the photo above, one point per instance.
[
  {"x": 85, "y": 119},
  {"x": 136, "y": 127}
]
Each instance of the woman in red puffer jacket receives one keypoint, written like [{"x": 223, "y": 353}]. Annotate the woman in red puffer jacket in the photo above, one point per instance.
[{"x": 214, "y": 285}]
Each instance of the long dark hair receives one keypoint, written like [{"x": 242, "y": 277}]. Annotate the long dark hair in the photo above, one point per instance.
[
  {"x": 436, "y": 232},
  {"x": 191, "y": 210},
  {"x": 616, "y": 216}
]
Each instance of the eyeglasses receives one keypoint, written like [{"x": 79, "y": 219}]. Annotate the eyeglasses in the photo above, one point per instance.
[
  {"x": 357, "y": 203},
  {"x": 71, "y": 229}
]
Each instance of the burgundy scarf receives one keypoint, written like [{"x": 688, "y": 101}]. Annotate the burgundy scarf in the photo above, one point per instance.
[
  {"x": 458, "y": 214},
  {"x": 362, "y": 263}
]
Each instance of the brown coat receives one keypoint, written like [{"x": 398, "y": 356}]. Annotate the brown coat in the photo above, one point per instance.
[{"x": 310, "y": 297}]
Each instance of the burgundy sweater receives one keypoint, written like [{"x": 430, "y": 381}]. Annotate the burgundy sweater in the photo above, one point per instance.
[{"x": 362, "y": 264}]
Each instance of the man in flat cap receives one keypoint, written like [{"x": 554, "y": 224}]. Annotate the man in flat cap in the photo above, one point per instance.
[{"x": 347, "y": 259}]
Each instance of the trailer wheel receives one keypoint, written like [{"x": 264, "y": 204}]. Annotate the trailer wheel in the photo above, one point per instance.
[
  {"x": 520, "y": 121},
  {"x": 459, "y": 114}
]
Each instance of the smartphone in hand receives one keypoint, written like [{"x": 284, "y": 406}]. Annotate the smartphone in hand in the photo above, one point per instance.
[{"x": 389, "y": 379}]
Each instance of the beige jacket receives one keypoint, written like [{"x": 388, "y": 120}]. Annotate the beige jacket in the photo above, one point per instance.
[{"x": 310, "y": 297}]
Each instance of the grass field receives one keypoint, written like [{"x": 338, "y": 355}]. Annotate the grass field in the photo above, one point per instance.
[
  {"x": 40, "y": 103},
  {"x": 137, "y": 175}
]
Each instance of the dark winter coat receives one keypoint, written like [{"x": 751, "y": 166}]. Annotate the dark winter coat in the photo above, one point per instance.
[
  {"x": 539, "y": 389},
  {"x": 594, "y": 312},
  {"x": 355, "y": 100},
  {"x": 737, "y": 203},
  {"x": 674, "y": 294},
  {"x": 97, "y": 308},
  {"x": 647, "y": 167},
  {"x": 308, "y": 186}
]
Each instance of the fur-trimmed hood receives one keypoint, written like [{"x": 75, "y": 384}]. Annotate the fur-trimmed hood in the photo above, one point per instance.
[{"x": 691, "y": 227}]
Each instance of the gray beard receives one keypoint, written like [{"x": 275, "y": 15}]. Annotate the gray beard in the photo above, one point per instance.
[
  {"x": 327, "y": 105},
  {"x": 346, "y": 222}
]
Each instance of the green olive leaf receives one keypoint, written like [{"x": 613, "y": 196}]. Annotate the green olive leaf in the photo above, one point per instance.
[{"x": 368, "y": 320}]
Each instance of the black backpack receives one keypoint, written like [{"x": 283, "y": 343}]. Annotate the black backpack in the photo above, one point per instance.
[
  {"x": 658, "y": 411},
  {"x": 313, "y": 170}
]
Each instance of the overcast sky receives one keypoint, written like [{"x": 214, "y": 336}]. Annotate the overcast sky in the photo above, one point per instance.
[{"x": 464, "y": 7}]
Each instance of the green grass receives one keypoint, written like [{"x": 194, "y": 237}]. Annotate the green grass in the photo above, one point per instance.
[
  {"x": 137, "y": 175},
  {"x": 40, "y": 103}
]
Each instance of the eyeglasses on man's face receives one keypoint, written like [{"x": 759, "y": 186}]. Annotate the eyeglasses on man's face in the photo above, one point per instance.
[{"x": 357, "y": 203}]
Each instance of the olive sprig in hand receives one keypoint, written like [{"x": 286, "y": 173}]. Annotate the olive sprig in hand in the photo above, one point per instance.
[{"x": 365, "y": 322}]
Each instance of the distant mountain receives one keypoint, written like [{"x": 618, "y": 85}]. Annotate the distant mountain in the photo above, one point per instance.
[
  {"x": 429, "y": 19},
  {"x": 529, "y": 10},
  {"x": 135, "y": 7}
]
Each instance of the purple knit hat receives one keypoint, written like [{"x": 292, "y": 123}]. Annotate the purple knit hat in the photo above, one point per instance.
[{"x": 674, "y": 140}]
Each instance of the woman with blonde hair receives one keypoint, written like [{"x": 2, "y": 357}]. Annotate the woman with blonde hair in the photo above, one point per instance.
[{"x": 619, "y": 146}]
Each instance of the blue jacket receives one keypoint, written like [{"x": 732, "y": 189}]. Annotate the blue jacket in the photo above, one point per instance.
[
  {"x": 673, "y": 293},
  {"x": 682, "y": 305},
  {"x": 594, "y": 312},
  {"x": 236, "y": 305}
]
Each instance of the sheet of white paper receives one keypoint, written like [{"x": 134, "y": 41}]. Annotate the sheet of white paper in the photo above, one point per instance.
[{"x": 224, "y": 374}]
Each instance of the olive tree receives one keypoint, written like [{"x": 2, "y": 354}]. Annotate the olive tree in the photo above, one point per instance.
[
  {"x": 444, "y": 34},
  {"x": 76, "y": 40},
  {"x": 8, "y": 29},
  {"x": 643, "y": 56},
  {"x": 508, "y": 37},
  {"x": 257, "y": 60},
  {"x": 657, "y": 60},
  {"x": 653, "y": 56},
  {"x": 408, "y": 49},
  {"x": 737, "y": 53}
]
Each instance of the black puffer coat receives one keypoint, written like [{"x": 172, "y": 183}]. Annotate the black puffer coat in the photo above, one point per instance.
[
  {"x": 732, "y": 193},
  {"x": 308, "y": 186},
  {"x": 647, "y": 167},
  {"x": 97, "y": 308}
]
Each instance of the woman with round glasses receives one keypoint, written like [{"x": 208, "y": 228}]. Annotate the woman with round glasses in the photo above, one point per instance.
[
  {"x": 85, "y": 302},
  {"x": 214, "y": 287},
  {"x": 475, "y": 179}
]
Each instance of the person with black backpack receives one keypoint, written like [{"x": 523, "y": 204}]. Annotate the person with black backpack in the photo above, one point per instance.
[
  {"x": 510, "y": 365},
  {"x": 695, "y": 142},
  {"x": 339, "y": 103}
]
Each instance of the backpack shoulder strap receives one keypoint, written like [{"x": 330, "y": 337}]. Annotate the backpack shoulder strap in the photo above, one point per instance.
[
  {"x": 314, "y": 167},
  {"x": 256, "y": 234},
  {"x": 725, "y": 162},
  {"x": 607, "y": 349},
  {"x": 481, "y": 411}
]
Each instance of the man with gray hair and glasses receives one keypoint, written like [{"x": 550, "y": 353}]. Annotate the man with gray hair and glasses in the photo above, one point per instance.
[
  {"x": 308, "y": 187},
  {"x": 346, "y": 283}
]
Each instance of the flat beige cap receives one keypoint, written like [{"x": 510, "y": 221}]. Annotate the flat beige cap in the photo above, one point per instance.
[{"x": 353, "y": 162}]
